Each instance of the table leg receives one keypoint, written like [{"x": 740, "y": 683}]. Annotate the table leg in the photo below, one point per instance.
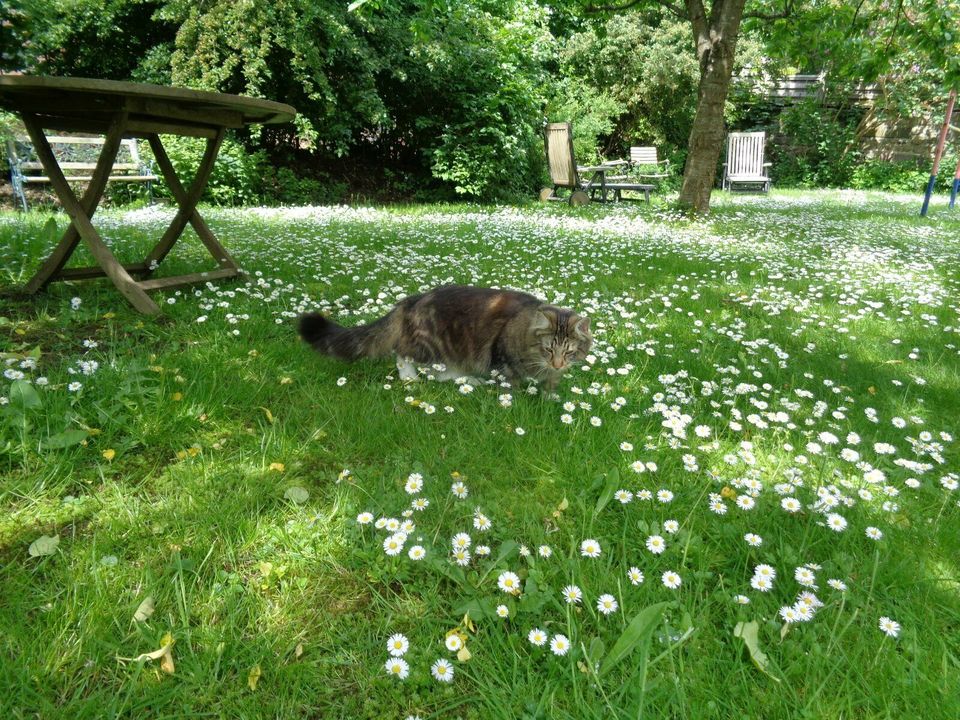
[
  {"x": 54, "y": 264},
  {"x": 81, "y": 212},
  {"x": 187, "y": 202}
]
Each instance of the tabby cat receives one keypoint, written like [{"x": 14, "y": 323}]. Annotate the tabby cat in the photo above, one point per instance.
[{"x": 469, "y": 330}]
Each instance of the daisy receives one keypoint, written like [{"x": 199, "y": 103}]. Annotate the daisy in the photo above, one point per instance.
[
  {"x": 626, "y": 447},
  {"x": 607, "y": 604},
  {"x": 890, "y": 627},
  {"x": 559, "y": 645},
  {"x": 671, "y": 526},
  {"x": 482, "y": 550},
  {"x": 442, "y": 670},
  {"x": 365, "y": 518},
  {"x": 656, "y": 544},
  {"x": 503, "y": 611},
  {"x": 397, "y": 667},
  {"x": 765, "y": 571},
  {"x": 453, "y": 642},
  {"x": 393, "y": 544},
  {"x": 420, "y": 504},
  {"x": 397, "y": 644},
  {"x": 788, "y": 614},
  {"x": 624, "y": 496},
  {"x": 572, "y": 594},
  {"x": 481, "y": 522},
  {"x": 664, "y": 496},
  {"x": 635, "y": 576},
  {"x": 741, "y": 599},
  {"x": 805, "y": 577},
  {"x": 509, "y": 582},
  {"x": 414, "y": 483},
  {"x": 590, "y": 548},
  {"x": 874, "y": 533},
  {"x": 761, "y": 583},
  {"x": 460, "y": 491},
  {"x": 461, "y": 541},
  {"x": 836, "y": 522},
  {"x": 791, "y": 505},
  {"x": 671, "y": 580},
  {"x": 417, "y": 553},
  {"x": 461, "y": 557},
  {"x": 837, "y": 584},
  {"x": 537, "y": 637},
  {"x": 544, "y": 551},
  {"x": 753, "y": 540}
]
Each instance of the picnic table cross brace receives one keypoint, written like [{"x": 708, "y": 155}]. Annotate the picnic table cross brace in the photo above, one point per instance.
[{"x": 81, "y": 213}]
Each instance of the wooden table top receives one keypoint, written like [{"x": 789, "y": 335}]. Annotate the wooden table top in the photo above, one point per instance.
[{"x": 87, "y": 104}]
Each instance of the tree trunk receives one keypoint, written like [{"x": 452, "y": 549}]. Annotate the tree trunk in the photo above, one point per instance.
[{"x": 716, "y": 40}]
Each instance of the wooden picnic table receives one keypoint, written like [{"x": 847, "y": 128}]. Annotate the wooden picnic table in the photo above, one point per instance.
[
  {"x": 121, "y": 110},
  {"x": 600, "y": 181}
]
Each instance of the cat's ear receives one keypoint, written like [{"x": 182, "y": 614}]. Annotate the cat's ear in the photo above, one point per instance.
[
  {"x": 544, "y": 321},
  {"x": 582, "y": 329}
]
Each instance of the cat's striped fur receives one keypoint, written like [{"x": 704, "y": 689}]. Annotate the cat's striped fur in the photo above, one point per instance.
[{"x": 470, "y": 330}]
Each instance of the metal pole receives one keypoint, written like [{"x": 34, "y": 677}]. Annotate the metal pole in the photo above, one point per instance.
[
  {"x": 941, "y": 141},
  {"x": 956, "y": 185}
]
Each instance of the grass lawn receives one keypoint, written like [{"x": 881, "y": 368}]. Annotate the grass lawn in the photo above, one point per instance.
[{"x": 759, "y": 466}]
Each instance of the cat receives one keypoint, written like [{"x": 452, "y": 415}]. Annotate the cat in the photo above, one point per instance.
[{"x": 469, "y": 330}]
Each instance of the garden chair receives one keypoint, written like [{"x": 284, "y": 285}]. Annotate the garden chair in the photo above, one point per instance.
[
  {"x": 745, "y": 165},
  {"x": 642, "y": 165},
  {"x": 565, "y": 173}
]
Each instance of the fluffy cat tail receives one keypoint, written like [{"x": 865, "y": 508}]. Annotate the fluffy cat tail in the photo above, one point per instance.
[{"x": 325, "y": 336}]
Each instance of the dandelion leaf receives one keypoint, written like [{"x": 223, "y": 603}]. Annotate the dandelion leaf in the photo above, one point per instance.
[
  {"x": 297, "y": 494},
  {"x": 23, "y": 396},
  {"x": 44, "y": 545},
  {"x": 65, "y": 439},
  {"x": 609, "y": 488},
  {"x": 748, "y": 633},
  {"x": 145, "y": 610},
  {"x": 635, "y": 636}
]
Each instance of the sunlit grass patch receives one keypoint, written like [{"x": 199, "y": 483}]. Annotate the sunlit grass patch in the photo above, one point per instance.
[{"x": 763, "y": 438}]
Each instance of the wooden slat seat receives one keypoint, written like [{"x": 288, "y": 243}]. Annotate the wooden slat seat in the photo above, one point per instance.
[
  {"x": 745, "y": 167},
  {"x": 70, "y": 151}
]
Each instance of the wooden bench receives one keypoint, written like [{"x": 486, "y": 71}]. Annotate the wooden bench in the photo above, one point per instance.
[{"x": 77, "y": 157}]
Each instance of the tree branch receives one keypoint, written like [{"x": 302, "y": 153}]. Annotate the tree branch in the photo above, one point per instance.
[
  {"x": 698, "y": 18},
  {"x": 593, "y": 9}
]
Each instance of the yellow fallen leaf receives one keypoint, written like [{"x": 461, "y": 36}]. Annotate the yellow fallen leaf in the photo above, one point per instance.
[
  {"x": 277, "y": 467},
  {"x": 728, "y": 492},
  {"x": 164, "y": 654},
  {"x": 177, "y": 396},
  {"x": 268, "y": 414},
  {"x": 109, "y": 315},
  {"x": 109, "y": 453},
  {"x": 286, "y": 380},
  {"x": 872, "y": 390},
  {"x": 298, "y": 651},
  {"x": 20, "y": 331},
  {"x": 193, "y": 451},
  {"x": 564, "y": 504},
  {"x": 254, "y": 677},
  {"x": 463, "y": 654}
]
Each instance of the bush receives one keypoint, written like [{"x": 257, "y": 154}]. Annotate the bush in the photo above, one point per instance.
[
  {"x": 237, "y": 178},
  {"x": 905, "y": 177},
  {"x": 818, "y": 146}
]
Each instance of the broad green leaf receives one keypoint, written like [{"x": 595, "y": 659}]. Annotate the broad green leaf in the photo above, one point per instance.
[
  {"x": 748, "y": 633},
  {"x": 297, "y": 494},
  {"x": 613, "y": 481},
  {"x": 44, "y": 545},
  {"x": 24, "y": 395},
  {"x": 636, "y": 635},
  {"x": 65, "y": 439},
  {"x": 596, "y": 650},
  {"x": 145, "y": 610}
]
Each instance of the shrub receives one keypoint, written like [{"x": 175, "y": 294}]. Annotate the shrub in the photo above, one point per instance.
[{"x": 818, "y": 146}]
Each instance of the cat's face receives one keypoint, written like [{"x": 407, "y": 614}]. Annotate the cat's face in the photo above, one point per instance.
[{"x": 563, "y": 338}]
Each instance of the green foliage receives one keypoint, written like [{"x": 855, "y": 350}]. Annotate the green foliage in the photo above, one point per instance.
[
  {"x": 906, "y": 177},
  {"x": 818, "y": 146},
  {"x": 237, "y": 178}
]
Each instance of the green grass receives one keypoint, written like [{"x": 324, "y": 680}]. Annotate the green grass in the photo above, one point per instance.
[{"x": 166, "y": 474}]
